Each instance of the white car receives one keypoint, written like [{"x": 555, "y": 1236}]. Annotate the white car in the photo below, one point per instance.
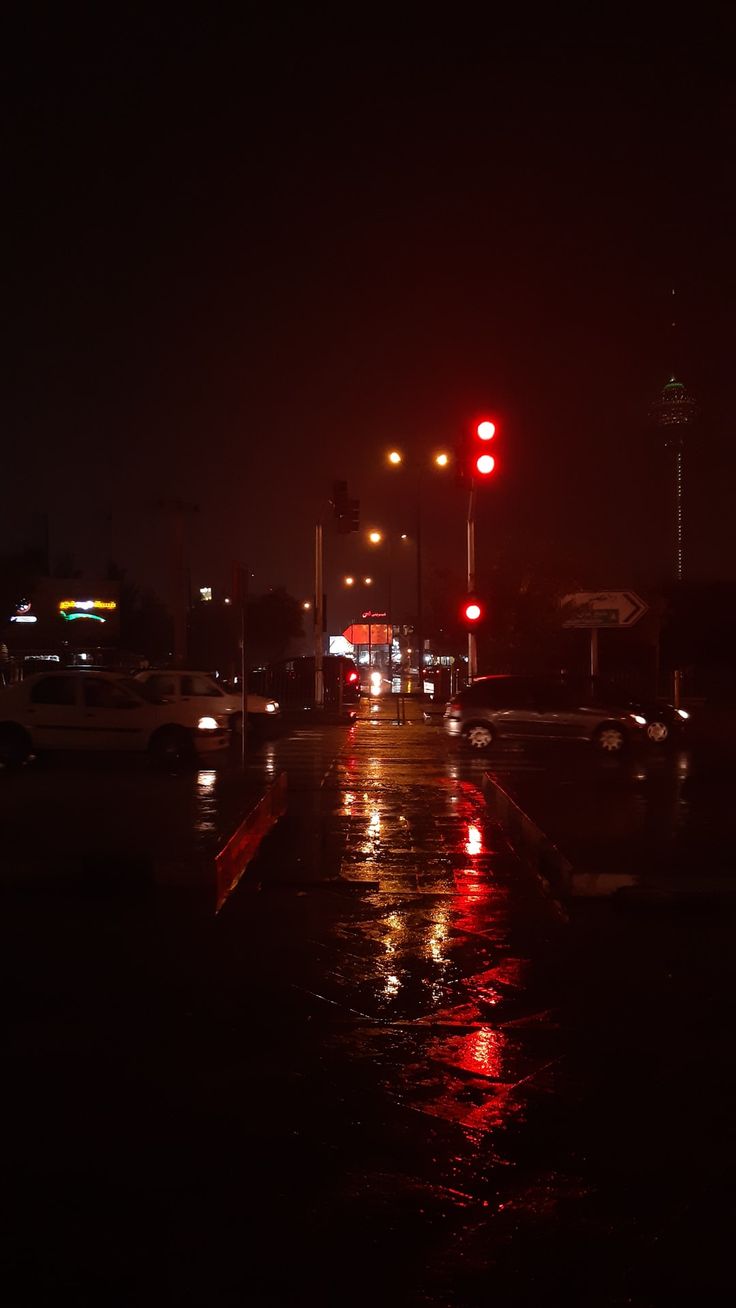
[
  {"x": 202, "y": 691},
  {"x": 76, "y": 709}
]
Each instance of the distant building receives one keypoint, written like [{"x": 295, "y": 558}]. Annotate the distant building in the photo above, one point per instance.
[{"x": 674, "y": 415}]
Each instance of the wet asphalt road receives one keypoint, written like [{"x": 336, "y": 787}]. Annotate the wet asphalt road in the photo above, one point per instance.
[{"x": 391, "y": 1071}]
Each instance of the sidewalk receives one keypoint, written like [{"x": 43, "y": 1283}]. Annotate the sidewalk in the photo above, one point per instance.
[
  {"x": 327, "y": 1089},
  {"x": 388, "y": 1072}
]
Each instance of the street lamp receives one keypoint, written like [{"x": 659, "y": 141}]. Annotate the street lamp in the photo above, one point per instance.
[
  {"x": 441, "y": 460},
  {"x": 377, "y": 537},
  {"x": 348, "y": 581}
]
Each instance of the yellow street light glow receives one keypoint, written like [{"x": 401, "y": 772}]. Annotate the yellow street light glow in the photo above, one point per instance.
[
  {"x": 404, "y": 536},
  {"x": 375, "y": 537},
  {"x": 442, "y": 460},
  {"x": 350, "y": 581},
  {"x": 394, "y": 457},
  {"x": 367, "y": 581},
  {"x": 306, "y": 604}
]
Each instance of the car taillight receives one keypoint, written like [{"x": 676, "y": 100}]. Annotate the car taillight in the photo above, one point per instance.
[
  {"x": 453, "y": 707},
  {"x": 352, "y": 677}
]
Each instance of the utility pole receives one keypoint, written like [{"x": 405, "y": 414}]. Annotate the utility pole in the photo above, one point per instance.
[
  {"x": 240, "y": 588},
  {"x": 472, "y": 641},
  {"x": 319, "y": 618},
  {"x": 420, "y": 615},
  {"x": 180, "y": 512}
]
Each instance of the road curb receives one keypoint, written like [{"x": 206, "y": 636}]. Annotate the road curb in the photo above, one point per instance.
[
  {"x": 540, "y": 853},
  {"x": 239, "y": 850}
]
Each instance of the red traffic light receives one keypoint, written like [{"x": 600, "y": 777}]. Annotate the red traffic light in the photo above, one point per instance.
[
  {"x": 472, "y": 612},
  {"x": 479, "y": 464},
  {"x": 484, "y": 465}
]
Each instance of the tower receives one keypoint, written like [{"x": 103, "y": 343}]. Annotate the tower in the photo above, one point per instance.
[{"x": 674, "y": 415}]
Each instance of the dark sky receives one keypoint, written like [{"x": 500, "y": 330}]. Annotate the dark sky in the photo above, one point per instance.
[{"x": 244, "y": 260}]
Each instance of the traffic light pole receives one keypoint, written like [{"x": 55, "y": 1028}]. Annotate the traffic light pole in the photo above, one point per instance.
[
  {"x": 319, "y": 618},
  {"x": 472, "y": 643},
  {"x": 420, "y": 616}
]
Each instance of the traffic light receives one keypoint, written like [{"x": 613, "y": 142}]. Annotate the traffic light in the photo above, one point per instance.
[
  {"x": 346, "y": 511},
  {"x": 472, "y": 613},
  {"x": 482, "y": 462}
]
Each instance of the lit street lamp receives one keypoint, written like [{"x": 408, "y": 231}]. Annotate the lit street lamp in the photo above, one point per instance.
[{"x": 441, "y": 460}]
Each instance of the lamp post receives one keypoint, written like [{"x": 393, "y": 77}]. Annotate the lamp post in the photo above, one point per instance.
[
  {"x": 441, "y": 460},
  {"x": 378, "y": 537}
]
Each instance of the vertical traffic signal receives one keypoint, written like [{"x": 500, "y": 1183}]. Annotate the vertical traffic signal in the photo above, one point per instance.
[
  {"x": 482, "y": 463},
  {"x": 346, "y": 511}
]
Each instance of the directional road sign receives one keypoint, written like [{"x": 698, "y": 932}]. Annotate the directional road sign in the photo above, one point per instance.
[{"x": 603, "y": 608}]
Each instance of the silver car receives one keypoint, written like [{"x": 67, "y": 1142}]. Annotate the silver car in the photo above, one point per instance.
[{"x": 536, "y": 708}]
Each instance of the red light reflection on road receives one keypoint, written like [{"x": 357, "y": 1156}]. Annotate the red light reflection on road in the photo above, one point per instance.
[
  {"x": 479, "y": 1053},
  {"x": 474, "y": 843}
]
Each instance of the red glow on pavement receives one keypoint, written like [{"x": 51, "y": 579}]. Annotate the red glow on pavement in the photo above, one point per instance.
[{"x": 474, "y": 843}]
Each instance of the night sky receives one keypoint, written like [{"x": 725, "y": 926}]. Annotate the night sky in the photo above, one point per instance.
[{"x": 245, "y": 260}]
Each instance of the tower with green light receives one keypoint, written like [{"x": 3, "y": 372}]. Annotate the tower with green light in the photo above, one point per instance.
[{"x": 674, "y": 415}]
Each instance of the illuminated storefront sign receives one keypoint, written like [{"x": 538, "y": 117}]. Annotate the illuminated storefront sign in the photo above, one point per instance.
[
  {"x": 71, "y": 610},
  {"x": 23, "y": 613}
]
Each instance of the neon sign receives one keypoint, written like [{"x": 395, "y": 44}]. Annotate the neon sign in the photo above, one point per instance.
[{"x": 86, "y": 605}]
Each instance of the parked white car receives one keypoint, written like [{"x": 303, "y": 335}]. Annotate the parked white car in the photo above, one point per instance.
[
  {"x": 76, "y": 709},
  {"x": 202, "y": 691}
]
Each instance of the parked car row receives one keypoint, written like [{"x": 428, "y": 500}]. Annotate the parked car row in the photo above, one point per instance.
[
  {"x": 171, "y": 715},
  {"x": 532, "y": 708}
]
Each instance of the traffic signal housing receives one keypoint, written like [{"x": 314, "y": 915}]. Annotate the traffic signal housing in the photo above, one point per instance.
[
  {"x": 482, "y": 462},
  {"x": 346, "y": 511},
  {"x": 476, "y": 464}
]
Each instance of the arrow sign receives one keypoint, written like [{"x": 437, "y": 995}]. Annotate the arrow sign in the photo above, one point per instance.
[{"x": 603, "y": 608}]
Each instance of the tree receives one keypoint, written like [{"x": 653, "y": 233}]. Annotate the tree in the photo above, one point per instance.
[{"x": 145, "y": 623}]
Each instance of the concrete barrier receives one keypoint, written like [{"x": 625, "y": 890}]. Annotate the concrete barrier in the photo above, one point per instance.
[
  {"x": 240, "y": 849},
  {"x": 539, "y": 852}
]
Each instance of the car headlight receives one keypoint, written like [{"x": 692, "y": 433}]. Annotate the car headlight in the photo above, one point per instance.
[
  {"x": 272, "y": 706},
  {"x": 208, "y": 724},
  {"x": 639, "y": 720},
  {"x": 682, "y": 713}
]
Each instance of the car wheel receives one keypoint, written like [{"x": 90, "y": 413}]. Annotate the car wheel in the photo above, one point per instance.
[
  {"x": 611, "y": 739},
  {"x": 15, "y": 746},
  {"x": 658, "y": 731},
  {"x": 479, "y": 735},
  {"x": 172, "y": 747}
]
